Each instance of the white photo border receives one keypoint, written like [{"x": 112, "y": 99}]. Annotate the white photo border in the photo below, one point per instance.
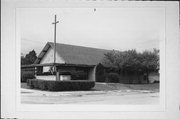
[{"x": 10, "y": 65}]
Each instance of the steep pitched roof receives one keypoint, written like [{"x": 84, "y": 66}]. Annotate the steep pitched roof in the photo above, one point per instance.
[{"x": 75, "y": 54}]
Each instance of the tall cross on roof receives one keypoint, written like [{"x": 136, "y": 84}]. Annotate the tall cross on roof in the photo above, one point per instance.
[{"x": 55, "y": 22}]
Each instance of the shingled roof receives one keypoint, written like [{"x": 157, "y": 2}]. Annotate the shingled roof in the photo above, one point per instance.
[{"x": 75, "y": 54}]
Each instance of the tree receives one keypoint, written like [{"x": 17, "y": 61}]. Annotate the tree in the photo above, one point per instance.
[
  {"x": 110, "y": 59},
  {"x": 23, "y": 60},
  {"x": 29, "y": 58},
  {"x": 131, "y": 61},
  {"x": 150, "y": 60},
  {"x": 123, "y": 60}
]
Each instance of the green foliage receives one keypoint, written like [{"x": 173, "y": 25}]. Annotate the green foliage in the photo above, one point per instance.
[
  {"x": 112, "y": 59},
  {"x": 150, "y": 60},
  {"x": 112, "y": 78},
  {"x": 156, "y": 81},
  {"x": 23, "y": 60},
  {"x": 29, "y": 58},
  {"x": 60, "y": 85},
  {"x": 27, "y": 75},
  {"x": 132, "y": 61}
]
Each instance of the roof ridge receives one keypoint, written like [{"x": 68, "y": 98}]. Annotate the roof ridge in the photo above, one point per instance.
[{"x": 80, "y": 46}]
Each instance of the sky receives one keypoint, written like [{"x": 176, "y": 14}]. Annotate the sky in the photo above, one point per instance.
[{"x": 105, "y": 28}]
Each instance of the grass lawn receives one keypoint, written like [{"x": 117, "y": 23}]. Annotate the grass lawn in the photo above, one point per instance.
[
  {"x": 153, "y": 86},
  {"x": 118, "y": 86}
]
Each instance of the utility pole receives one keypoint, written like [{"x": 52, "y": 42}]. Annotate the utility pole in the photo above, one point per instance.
[{"x": 55, "y": 22}]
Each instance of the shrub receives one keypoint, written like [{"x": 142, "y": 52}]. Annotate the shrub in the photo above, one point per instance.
[
  {"x": 101, "y": 78},
  {"x": 27, "y": 75},
  {"x": 100, "y": 73},
  {"x": 60, "y": 85},
  {"x": 156, "y": 81},
  {"x": 112, "y": 78}
]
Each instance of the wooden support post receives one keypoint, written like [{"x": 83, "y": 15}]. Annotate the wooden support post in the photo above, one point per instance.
[
  {"x": 57, "y": 76},
  {"x": 34, "y": 68}
]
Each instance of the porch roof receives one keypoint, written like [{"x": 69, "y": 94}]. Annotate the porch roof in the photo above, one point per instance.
[{"x": 55, "y": 64}]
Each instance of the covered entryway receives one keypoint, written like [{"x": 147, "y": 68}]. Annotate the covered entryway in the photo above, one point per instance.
[{"x": 63, "y": 71}]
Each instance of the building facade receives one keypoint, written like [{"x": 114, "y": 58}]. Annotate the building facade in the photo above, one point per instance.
[{"x": 71, "y": 63}]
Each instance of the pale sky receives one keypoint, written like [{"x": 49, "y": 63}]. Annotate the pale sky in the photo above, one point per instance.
[{"x": 105, "y": 28}]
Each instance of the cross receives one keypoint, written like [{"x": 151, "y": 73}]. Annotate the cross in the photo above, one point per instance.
[{"x": 55, "y": 22}]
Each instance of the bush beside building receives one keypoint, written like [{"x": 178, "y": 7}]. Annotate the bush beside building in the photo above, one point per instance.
[{"x": 60, "y": 85}]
